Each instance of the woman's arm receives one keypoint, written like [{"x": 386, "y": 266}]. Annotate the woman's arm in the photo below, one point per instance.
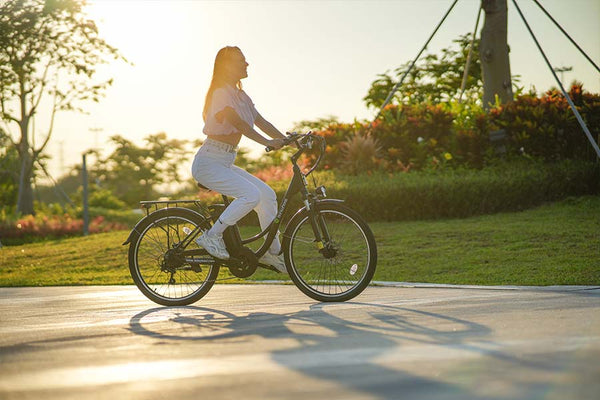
[
  {"x": 234, "y": 119},
  {"x": 268, "y": 128}
]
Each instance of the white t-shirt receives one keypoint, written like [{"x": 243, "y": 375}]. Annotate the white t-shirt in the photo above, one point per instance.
[{"x": 228, "y": 96}]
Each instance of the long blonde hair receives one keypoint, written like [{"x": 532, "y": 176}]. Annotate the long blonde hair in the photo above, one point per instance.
[{"x": 218, "y": 79}]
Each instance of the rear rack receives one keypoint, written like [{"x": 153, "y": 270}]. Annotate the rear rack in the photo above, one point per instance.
[{"x": 155, "y": 205}]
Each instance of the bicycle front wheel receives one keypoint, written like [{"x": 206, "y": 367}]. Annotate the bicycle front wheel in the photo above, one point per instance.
[
  {"x": 161, "y": 274},
  {"x": 345, "y": 265}
]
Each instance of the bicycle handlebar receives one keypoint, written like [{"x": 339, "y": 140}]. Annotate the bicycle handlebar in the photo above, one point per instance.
[
  {"x": 304, "y": 142},
  {"x": 291, "y": 137}
]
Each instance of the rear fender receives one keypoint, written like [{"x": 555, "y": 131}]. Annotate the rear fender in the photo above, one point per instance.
[{"x": 138, "y": 228}]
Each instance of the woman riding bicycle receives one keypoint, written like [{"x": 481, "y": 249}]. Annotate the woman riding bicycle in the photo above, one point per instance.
[{"x": 228, "y": 114}]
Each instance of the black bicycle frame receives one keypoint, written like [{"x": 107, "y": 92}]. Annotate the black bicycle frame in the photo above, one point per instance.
[{"x": 297, "y": 184}]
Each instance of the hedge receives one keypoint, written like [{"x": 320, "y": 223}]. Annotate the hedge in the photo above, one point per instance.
[{"x": 459, "y": 193}]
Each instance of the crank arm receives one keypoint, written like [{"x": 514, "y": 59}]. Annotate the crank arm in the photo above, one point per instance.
[{"x": 269, "y": 267}]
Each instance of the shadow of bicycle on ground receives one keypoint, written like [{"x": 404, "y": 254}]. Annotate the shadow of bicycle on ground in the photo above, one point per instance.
[{"x": 358, "y": 346}]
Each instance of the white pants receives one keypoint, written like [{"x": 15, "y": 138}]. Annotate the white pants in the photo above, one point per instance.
[{"x": 213, "y": 167}]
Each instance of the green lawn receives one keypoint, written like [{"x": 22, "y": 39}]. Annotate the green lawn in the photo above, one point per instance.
[{"x": 556, "y": 244}]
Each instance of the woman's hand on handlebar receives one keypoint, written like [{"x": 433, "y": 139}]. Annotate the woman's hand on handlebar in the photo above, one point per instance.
[
  {"x": 275, "y": 144},
  {"x": 292, "y": 139}
]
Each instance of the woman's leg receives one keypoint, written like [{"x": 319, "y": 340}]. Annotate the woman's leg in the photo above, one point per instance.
[
  {"x": 266, "y": 208},
  {"x": 222, "y": 178}
]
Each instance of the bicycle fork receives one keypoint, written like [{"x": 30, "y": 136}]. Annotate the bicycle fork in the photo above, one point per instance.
[{"x": 319, "y": 228}]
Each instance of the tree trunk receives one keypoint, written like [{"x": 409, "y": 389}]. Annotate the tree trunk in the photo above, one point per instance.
[
  {"x": 493, "y": 50},
  {"x": 25, "y": 196}
]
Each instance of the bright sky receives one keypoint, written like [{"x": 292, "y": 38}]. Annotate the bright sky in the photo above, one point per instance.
[{"x": 308, "y": 59}]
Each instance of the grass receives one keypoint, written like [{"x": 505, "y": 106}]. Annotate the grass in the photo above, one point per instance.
[{"x": 555, "y": 244}]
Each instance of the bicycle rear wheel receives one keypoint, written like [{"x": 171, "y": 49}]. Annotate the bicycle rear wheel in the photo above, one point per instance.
[
  {"x": 343, "y": 268},
  {"x": 161, "y": 274}
]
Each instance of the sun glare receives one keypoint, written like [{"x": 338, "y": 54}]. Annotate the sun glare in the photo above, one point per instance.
[{"x": 138, "y": 28}]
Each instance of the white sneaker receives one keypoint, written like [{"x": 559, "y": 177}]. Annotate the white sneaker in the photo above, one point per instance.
[
  {"x": 274, "y": 261},
  {"x": 214, "y": 245}
]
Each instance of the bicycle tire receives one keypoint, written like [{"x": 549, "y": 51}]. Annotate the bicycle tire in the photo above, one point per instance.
[
  {"x": 344, "y": 273},
  {"x": 153, "y": 237}
]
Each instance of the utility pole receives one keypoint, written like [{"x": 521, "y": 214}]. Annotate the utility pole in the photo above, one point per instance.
[
  {"x": 561, "y": 71},
  {"x": 86, "y": 212},
  {"x": 95, "y": 131}
]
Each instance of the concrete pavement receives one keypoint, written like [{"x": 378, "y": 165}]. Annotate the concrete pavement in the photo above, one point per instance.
[{"x": 272, "y": 342}]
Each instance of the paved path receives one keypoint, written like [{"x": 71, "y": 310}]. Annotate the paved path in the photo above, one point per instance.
[{"x": 272, "y": 342}]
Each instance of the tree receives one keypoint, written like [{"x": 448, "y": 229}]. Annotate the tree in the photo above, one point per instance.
[
  {"x": 48, "y": 50},
  {"x": 132, "y": 172},
  {"x": 495, "y": 64},
  {"x": 434, "y": 79}
]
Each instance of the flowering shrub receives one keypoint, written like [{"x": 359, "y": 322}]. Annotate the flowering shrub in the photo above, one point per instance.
[
  {"x": 545, "y": 127},
  {"x": 415, "y": 134},
  {"x": 433, "y": 136},
  {"x": 275, "y": 173},
  {"x": 30, "y": 227},
  {"x": 405, "y": 137}
]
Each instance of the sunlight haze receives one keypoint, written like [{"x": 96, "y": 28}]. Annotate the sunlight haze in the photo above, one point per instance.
[{"x": 308, "y": 59}]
